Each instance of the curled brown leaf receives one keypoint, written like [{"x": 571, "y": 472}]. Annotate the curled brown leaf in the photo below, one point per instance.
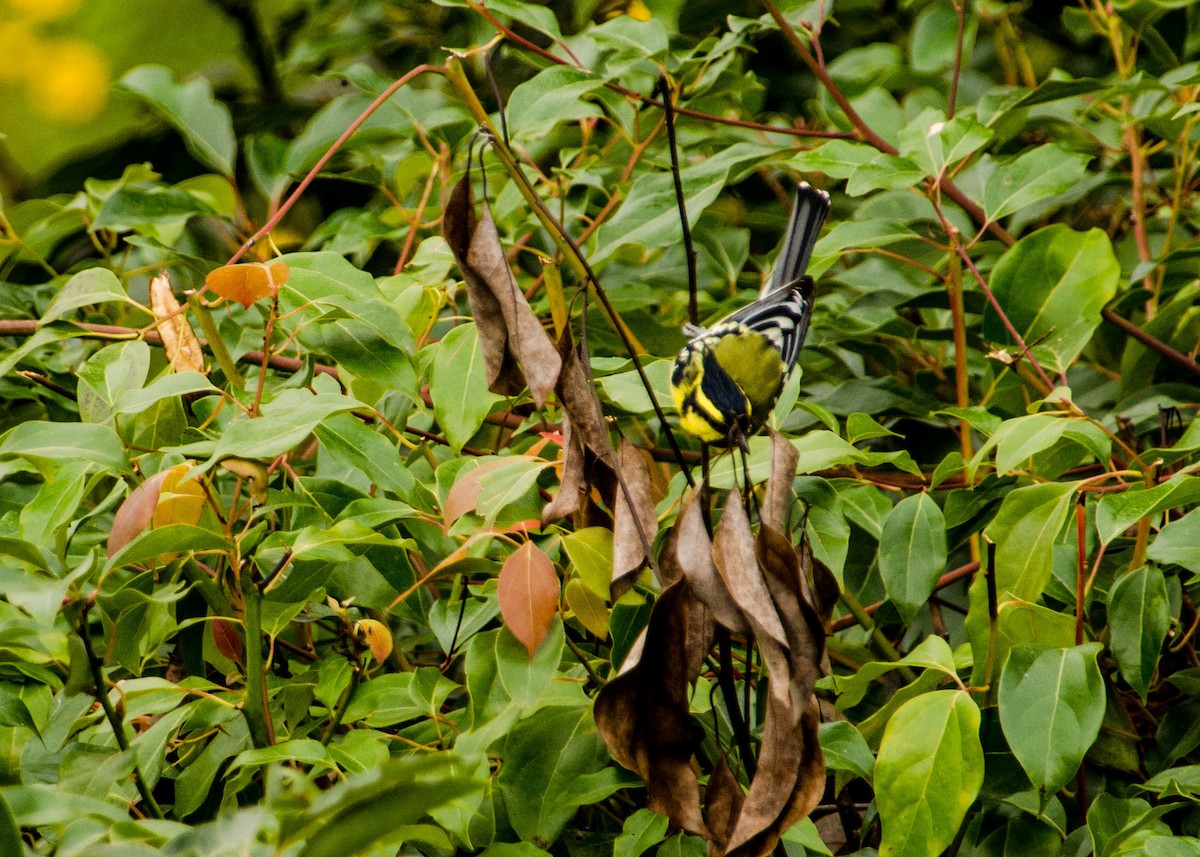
[
  {"x": 178, "y": 339},
  {"x": 516, "y": 349},
  {"x": 644, "y": 717},
  {"x": 636, "y": 522}
]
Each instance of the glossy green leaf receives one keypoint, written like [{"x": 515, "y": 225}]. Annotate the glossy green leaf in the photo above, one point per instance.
[
  {"x": 935, "y": 144},
  {"x": 366, "y": 809},
  {"x": 38, "y": 442},
  {"x": 845, "y": 749},
  {"x": 553, "y": 764},
  {"x": 285, "y": 421},
  {"x": 1025, "y": 530},
  {"x": 590, "y": 552},
  {"x": 649, "y": 215},
  {"x": 1052, "y": 284},
  {"x": 1116, "y": 513},
  {"x": 355, "y": 445},
  {"x": 202, "y": 121},
  {"x": 912, "y": 552},
  {"x": 929, "y": 772},
  {"x": 642, "y": 830},
  {"x": 1138, "y": 617},
  {"x": 864, "y": 167},
  {"x": 1123, "y": 826},
  {"x": 1175, "y": 543},
  {"x": 1040, "y": 172},
  {"x": 88, "y": 287},
  {"x": 397, "y": 697},
  {"x": 556, "y": 94},
  {"x": 170, "y": 540},
  {"x": 1051, "y": 706},
  {"x": 458, "y": 385}
]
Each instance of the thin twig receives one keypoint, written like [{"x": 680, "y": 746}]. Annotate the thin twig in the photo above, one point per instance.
[
  {"x": 960, "y": 9},
  {"x": 524, "y": 43},
  {"x": 689, "y": 249},
  {"x": 1131, "y": 329},
  {"x": 110, "y": 712},
  {"x": 24, "y": 327},
  {"x": 273, "y": 221}
]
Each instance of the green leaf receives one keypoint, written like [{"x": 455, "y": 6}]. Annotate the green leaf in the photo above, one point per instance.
[
  {"x": 306, "y": 751},
  {"x": 500, "y": 673},
  {"x": 641, "y": 831},
  {"x": 912, "y": 552},
  {"x": 396, "y": 697},
  {"x": 169, "y": 386},
  {"x": 109, "y": 374},
  {"x": 285, "y": 421},
  {"x": 625, "y": 389},
  {"x": 10, "y": 833},
  {"x": 935, "y": 144},
  {"x": 1019, "y": 439},
  {"x": 1138, "y": 617},
  {"x": 1051, "y": 706},
  {"x": 329, "y": 542},
  {"x": 1020, "y": 623},
  {"x": 337, "y": 310},
  {"x": 865, "y": 167},
  {"x": 590, "y": 551},
  {"x": 650, "y": 215},
  {"x": 554, "y": 763},
  {"x": 190, "y": 108},
  {"x": 1116, "y": 513},
  {"x": 364, "y": 810},
  {"x": 1036, "y": 174},
  {"x": 1174, "y": 782},
  {"x": 47, "y": 443},
  {"x": 1052, "y": 285},
  {"x": 88, "y": 287},
  {"x": 845, "y": 749},
  {"x": 1119, "y": 827},
  {"x": 929, "y": 772},
  {"x": 355, "y": 445},
  {"x": 171, "y": 539},
  {"x": 932, "y": 653},
  {"x": 1175, "y": 543},
  {"x": 458, "y": 385},
  {"x": 555, "y": 94},
  {"x": 1025, "y": 530}
]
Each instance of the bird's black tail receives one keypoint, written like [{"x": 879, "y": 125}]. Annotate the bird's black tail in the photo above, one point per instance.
[{"x": 808, "y": 215}]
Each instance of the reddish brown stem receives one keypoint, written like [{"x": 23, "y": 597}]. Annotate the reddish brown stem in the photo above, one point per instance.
[
  {"x": 1131, "y": 329},
  {"x": 945, "y": 580},
  {"x": 273, "y": 221},
  {"x": 22, "y": 327}
]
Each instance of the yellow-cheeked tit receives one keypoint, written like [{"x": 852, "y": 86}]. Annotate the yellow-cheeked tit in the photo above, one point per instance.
[{"x": 726, "y": 379}]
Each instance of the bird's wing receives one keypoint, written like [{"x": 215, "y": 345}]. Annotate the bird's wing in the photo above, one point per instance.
[{"x": 782, "y": 316}]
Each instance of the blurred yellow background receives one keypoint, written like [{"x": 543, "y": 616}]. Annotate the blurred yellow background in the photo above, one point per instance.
[{"x": 59, "y": 60}]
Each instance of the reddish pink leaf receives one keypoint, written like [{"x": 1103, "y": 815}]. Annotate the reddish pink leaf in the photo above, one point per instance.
[
  {"x": 227, "y": 639},
  {"x": 528, "y": 595},
  {"x": 135, "y": 514}
]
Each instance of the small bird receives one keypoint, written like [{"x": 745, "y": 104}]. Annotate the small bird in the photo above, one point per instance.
[{"x": 726, "y": 379}]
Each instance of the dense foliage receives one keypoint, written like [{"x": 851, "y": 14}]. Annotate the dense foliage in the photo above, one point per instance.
[{"x": 276, "y": 575}]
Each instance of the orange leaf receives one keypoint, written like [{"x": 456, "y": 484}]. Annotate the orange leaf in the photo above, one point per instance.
[
  {"x": 528, "y": 594},
  {"x": 376, "y": 636},
  {"x": 247, "y": 282}
]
